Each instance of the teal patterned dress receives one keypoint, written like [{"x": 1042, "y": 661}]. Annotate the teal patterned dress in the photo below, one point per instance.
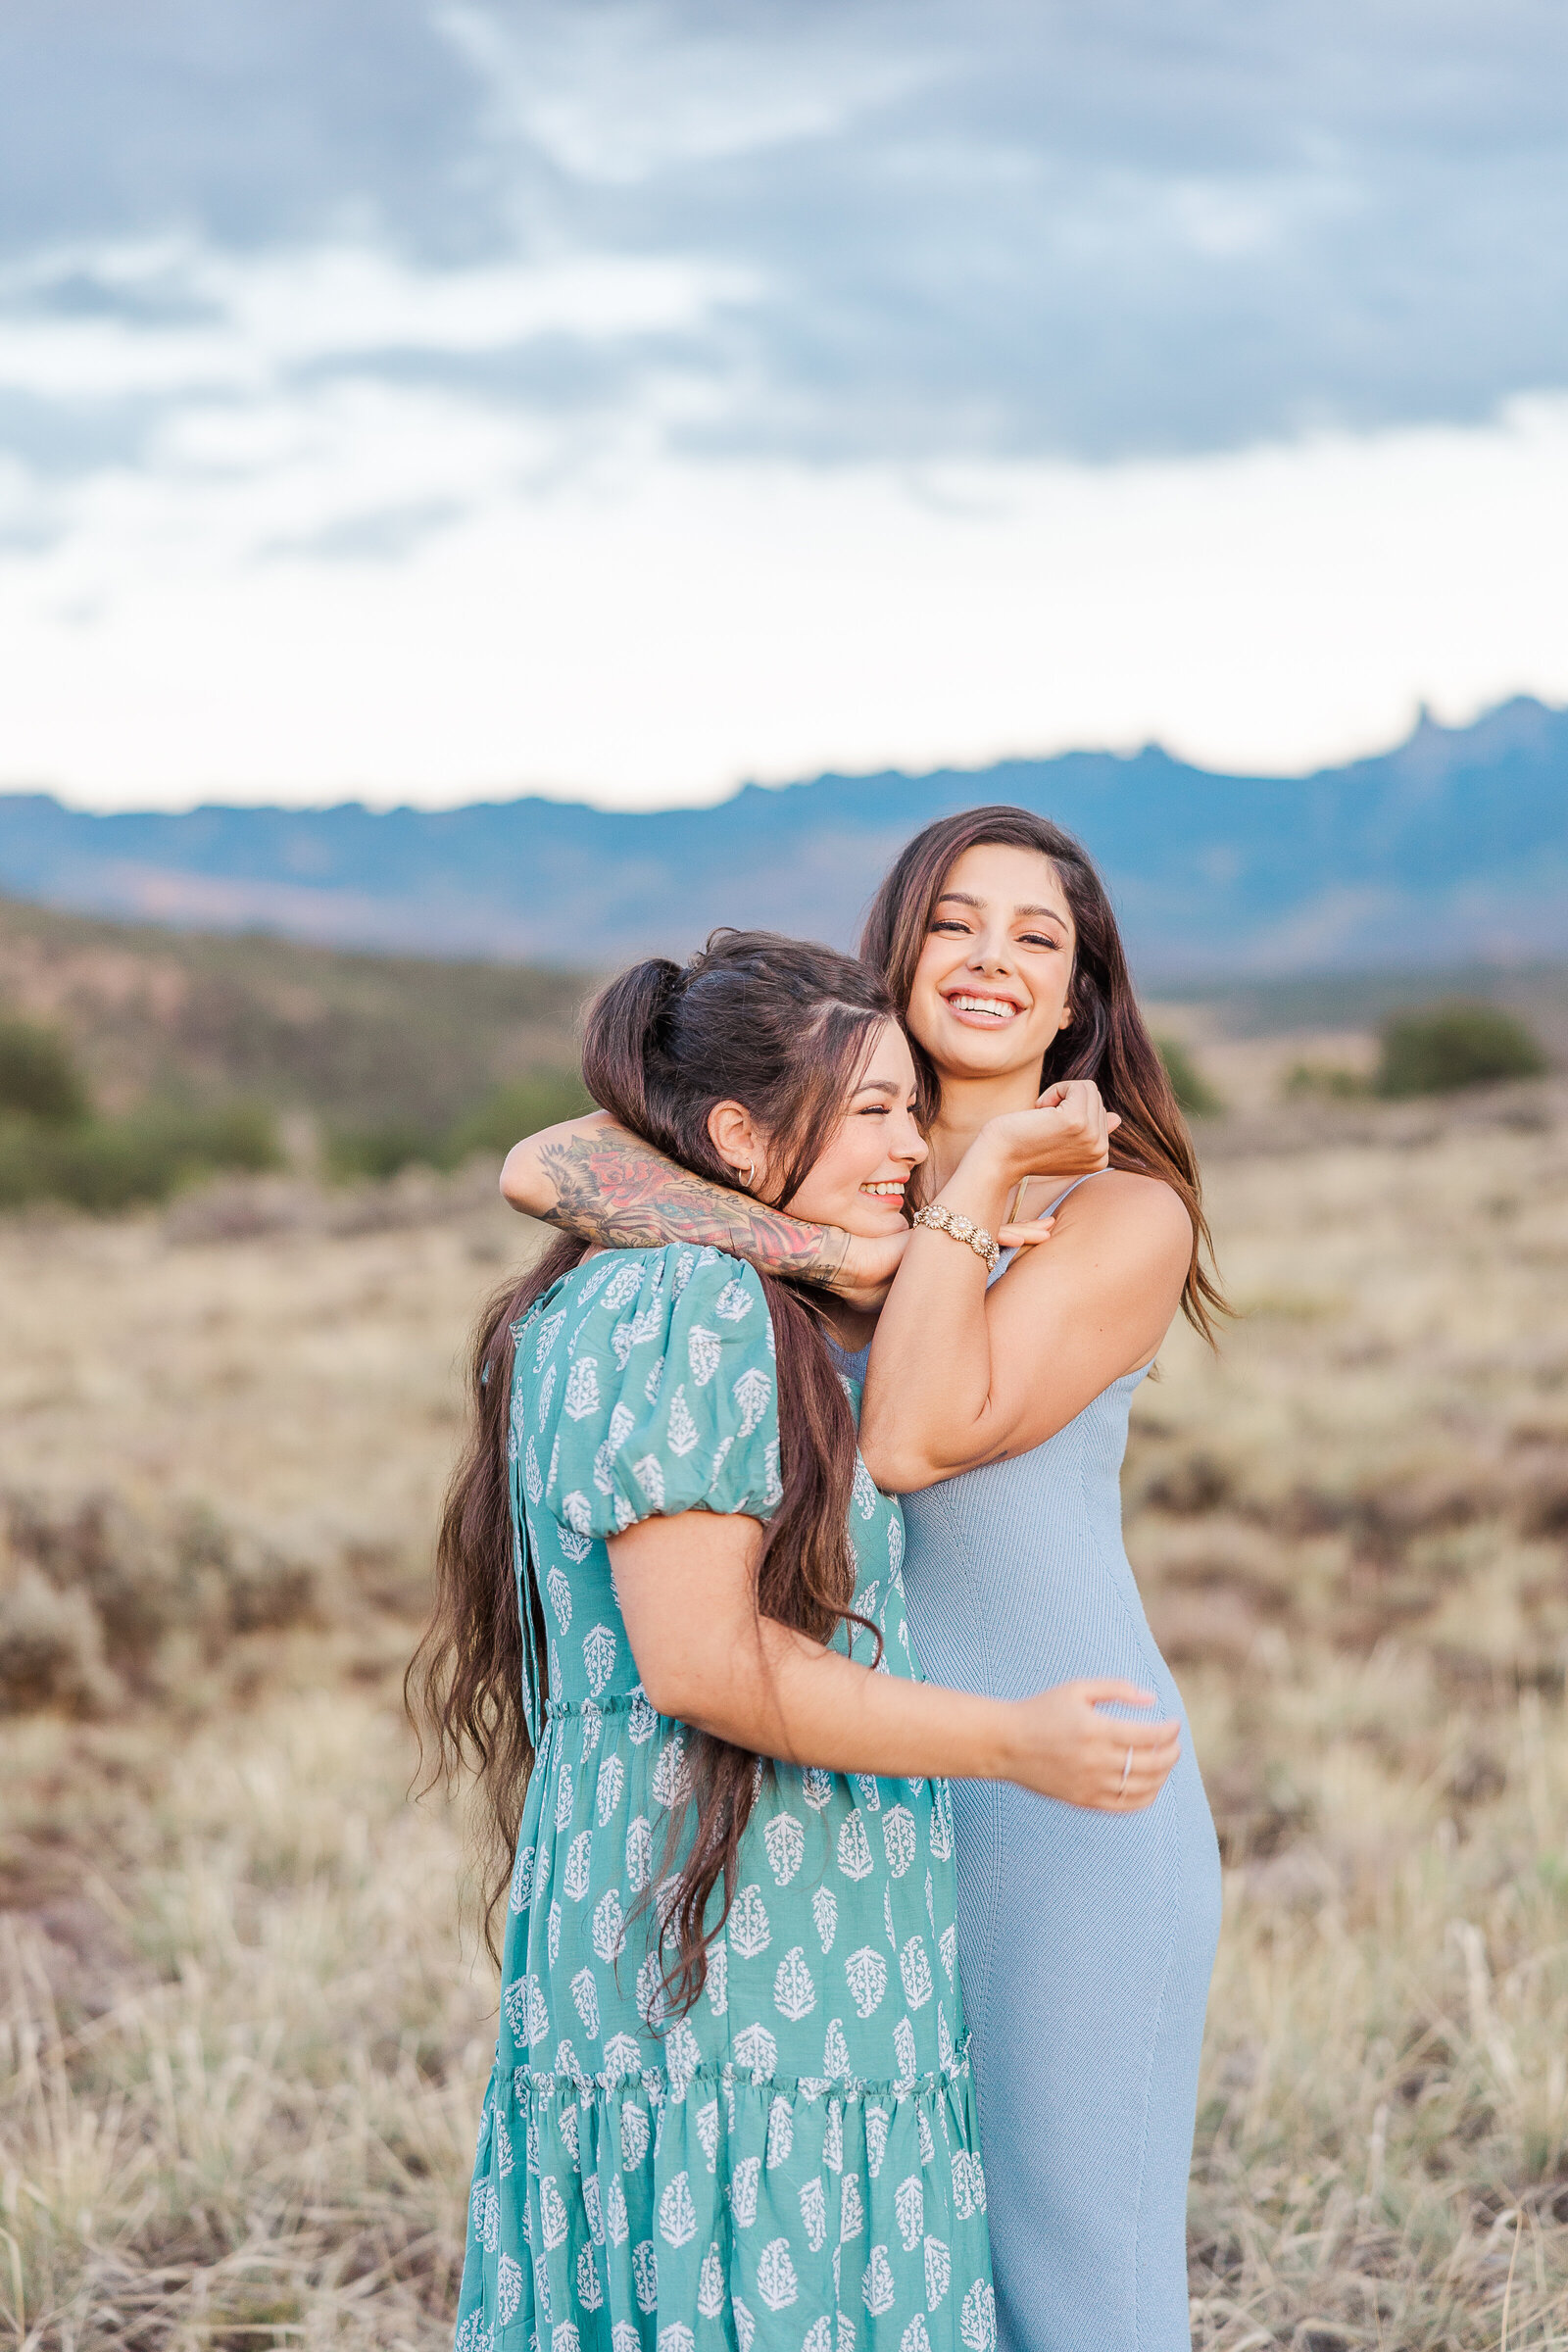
[{"x": 793, "y": 2166}]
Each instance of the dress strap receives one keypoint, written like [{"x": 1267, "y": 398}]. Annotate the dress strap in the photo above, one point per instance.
[{"x": 1072, "y": 1188}]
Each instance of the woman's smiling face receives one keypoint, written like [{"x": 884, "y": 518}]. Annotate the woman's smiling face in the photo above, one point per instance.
[
  {"x": 857, "y": 1183},
  {"x": 995, "y": 977}
]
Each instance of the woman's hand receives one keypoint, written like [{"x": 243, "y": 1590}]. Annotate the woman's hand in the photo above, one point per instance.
[
  {"x": 1067, "y": 1134},
  {"x": 1067, "y": 1749},
  {"x": 864, "y": 1272},
  {"x": 1026, "y": 1236}
]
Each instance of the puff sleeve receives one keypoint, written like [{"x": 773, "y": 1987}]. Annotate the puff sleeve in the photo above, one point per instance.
[{"x": 666, "y": 1395}]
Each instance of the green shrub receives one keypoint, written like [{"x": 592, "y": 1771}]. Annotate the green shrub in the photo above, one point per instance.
[
  {"x": 1326, "y": 1078},
  {"x": 38, "y": 1076},
  {"x": 229, "y": 1134},
  {"x": 354, "y": 1155},
  {"x": 490, "y": 1128},
  {"x": 1456, "y": 1045},
  {"x": 513, "y": 1112},
  {"x": 53, "y": 1148},
  {"x": 109, "y": 1164},
  {"x": 1193, "y": 1092}
]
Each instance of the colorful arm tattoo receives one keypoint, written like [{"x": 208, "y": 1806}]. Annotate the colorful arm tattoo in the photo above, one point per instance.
[{"x": 616, "y": 1190}]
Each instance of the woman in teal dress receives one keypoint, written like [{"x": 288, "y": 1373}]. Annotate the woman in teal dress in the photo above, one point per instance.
[{"x": 731, "y": 2101}]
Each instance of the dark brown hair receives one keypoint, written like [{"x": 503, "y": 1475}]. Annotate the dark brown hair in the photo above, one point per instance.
[
  {"x": 784, "y": 1028},
  {"x": 1107, "y": 1039}
]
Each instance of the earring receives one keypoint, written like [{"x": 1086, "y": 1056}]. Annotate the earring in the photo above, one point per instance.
[{"x": 750, "y": 1172}]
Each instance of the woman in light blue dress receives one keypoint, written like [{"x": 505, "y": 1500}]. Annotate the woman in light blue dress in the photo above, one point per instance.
[{"x": 998, "y": 1410}]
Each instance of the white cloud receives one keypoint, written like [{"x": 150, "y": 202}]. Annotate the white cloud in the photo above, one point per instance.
[
  {"x": 235, "y": 324},
  {"x": 876, "y": 228},
  {"x": 651, "y": 629},
  {"x": 615, "y": 95},
  {"x": 634, "y": 397}
]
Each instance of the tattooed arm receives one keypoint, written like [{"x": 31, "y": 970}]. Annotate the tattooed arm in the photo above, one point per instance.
[{"x": 593, "y": 1179}]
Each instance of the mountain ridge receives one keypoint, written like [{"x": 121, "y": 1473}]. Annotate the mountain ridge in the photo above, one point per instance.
[{"x": 1451, "y": 846}]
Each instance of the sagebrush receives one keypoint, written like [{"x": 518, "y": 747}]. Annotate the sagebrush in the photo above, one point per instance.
[{"x": 247, "y": 2039}]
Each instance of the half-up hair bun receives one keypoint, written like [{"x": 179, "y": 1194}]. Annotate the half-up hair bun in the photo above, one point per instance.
[{"x": 627, "y": 1037}]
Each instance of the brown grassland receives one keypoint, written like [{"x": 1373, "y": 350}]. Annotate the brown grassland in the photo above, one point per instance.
[{"x": 244, "y": 2040}]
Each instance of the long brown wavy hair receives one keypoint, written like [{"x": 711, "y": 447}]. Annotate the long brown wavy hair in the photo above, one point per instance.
[
  {"x": 1107, "y": 1040},
  {"x": 784, "y": 1028}
]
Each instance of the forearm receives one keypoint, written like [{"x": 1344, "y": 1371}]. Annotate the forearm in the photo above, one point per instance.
[
  {"x": 594, "y": 1180},
  {"x": 687, "y": 1590},
  {"x": 957, "y": 1377},
  {"x": 783, "y": 1696},
  {"x": 928, "y": 1403}
]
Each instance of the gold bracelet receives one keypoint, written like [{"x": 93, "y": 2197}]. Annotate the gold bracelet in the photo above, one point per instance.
[{"x": 962, "y": 1229}]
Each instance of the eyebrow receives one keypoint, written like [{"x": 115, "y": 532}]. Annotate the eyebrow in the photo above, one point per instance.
[
  {"x": 964, "y": 897},
  {"x": 878, "y": 1086}
]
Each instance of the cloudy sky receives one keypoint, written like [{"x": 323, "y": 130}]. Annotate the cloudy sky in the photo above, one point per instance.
[{"x": 612, "y": 397}]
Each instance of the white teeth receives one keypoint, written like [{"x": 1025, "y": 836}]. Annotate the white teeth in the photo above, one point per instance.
[{"x": 997, "y": 1009}]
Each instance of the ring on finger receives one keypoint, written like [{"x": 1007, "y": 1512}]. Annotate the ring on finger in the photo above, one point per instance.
[{"x": 1126, "y": 1769}]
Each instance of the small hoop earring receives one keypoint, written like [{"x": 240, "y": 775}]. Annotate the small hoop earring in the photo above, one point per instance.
[{"x": 750, "y": 1172}]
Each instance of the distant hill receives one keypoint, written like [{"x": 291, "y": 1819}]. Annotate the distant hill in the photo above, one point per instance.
[
  {"x": 362, "y": 1040},
  {"x": 1453, "y": 847},
  {"x": 391, "y": 1044}
]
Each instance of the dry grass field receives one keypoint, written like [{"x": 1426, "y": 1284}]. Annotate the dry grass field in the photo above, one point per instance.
[{"x": 244, "y": 2039}]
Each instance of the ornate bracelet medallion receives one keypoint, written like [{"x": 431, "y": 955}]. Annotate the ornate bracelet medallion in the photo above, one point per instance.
[{"x": 960, "y": 1229}]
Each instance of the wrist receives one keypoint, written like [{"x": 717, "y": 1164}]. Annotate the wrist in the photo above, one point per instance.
[
  {"x": 998, "y": 1741},
  {"x": 832, "y": 1265},
  {"x": 998, "y": 1154},
  {"x": 941, "y": 1219},
  {"x": 981, "y": 1182}
]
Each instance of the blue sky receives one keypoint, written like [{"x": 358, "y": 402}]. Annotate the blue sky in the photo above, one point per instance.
[{"x": 620, "y": 398}]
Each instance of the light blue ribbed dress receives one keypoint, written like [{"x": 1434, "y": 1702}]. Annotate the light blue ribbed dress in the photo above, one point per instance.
[{"x": 1086, "y": 1940}]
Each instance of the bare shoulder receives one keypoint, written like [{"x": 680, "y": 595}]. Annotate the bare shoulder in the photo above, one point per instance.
[
  {"x": 1141, "y": 1209},
  {"x": 1095, "y": 1301},
  {"x": 1146, "y": 1204},
  {"x": 1140, "y": 1217}
]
